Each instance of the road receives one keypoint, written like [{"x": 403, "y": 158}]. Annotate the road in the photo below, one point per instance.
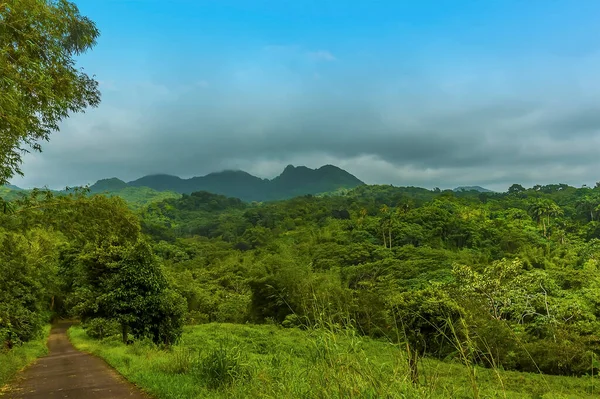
[{"x": 68, "y": 373}]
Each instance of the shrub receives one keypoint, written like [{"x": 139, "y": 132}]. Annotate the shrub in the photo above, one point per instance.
[{"x": 99, "y": 327}]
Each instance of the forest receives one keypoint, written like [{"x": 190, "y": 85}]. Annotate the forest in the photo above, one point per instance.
[
  {"x": 504, "y": 281},
  {"x": 300, "y": 287}
]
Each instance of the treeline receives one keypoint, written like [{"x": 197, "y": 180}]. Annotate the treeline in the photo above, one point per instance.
[{"x": 80, "y": 256}]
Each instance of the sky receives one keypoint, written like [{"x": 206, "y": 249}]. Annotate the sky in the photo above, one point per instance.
[{"x": 411, "y": 93}]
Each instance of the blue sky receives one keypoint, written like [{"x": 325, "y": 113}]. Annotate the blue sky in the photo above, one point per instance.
[{"x": 428, "y": 93}]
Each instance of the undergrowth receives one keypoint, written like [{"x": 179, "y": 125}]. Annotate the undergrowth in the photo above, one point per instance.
[{"x": 266, "y": 361}]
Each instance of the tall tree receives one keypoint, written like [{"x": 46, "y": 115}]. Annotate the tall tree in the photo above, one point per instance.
[
  {"x": 542, "y": 210},
  {"x": 39, "y": 83},
  {"x": 125, "y": 283}
]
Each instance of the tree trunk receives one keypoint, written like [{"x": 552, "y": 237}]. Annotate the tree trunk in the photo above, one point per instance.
[
  {"x": 544, "y": 226},
  {"x": 124, "y": 332},
  {"x": 390, "y": 231}
]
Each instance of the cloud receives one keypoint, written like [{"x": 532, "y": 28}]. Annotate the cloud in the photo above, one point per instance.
[
  {"x": 321, "y": 55},
  {"x": 484, "y": 123}
]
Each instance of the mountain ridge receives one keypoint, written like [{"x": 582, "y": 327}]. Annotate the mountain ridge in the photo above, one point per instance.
[{"x": 293, "y": 181}]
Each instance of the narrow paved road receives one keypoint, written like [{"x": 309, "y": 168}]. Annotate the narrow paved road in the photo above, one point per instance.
[{"x": 69, "y": 373}]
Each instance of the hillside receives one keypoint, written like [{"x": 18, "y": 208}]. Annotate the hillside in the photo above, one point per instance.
[
  {"x": 375, "y": 251},
  {"x": 135, "y": 197},
  {"x": 292, "y": 182}
]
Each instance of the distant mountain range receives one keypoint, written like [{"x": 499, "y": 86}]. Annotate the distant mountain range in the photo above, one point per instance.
[{"x": 292, "y": 182}]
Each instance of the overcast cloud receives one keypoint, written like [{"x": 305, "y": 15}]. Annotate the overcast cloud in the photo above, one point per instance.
[{"x": 429, "y": 121}]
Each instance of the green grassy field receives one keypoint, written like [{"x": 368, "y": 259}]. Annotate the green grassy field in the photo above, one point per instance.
[
  {"x": 17, "y": 358},
  {"x": 249, "y": 361}
]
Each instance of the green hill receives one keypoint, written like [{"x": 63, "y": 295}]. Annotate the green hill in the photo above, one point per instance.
[
  {"x": 111, "y": 184},
  {"x": 135, "y": 197}
]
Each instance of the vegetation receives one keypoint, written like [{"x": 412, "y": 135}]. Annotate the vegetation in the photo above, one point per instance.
[
  {"x": 38, "y": 79},
  {"x": 488, "y": 281},
  {"x": 249, "y": 361},
  {"x": 82, "y": 256},
  {"x": 139, "y": 197},
  {"x": 14, "y": 360},
  {"x": 368, "y": 291}
]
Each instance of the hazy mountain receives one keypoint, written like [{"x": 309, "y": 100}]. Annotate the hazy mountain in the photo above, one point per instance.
[
  {"x": 293, "y": 181},
  {"x": 473, "y": 188}
]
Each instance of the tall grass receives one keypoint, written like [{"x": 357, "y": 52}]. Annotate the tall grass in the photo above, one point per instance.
[
  {"x": 221, "y": 367},
  {"x": 246, "y": 361},
  {"x": 17, "y": 358}
]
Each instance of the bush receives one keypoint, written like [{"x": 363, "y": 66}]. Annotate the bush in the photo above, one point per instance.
[
  {"x": 567, "y": 355},
  {"x": 99, "y": 327},
  {"x": 170, "y": 317}
]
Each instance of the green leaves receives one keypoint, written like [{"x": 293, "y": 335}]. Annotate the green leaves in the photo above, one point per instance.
[
  {"x": 39, "y": 83},
  {"x": 122, "y": 281}
]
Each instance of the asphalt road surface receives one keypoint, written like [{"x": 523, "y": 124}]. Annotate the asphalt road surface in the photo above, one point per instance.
[{"x": 68, "y": 373}]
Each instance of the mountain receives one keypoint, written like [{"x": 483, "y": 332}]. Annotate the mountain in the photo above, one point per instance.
[
  {"x": 112, "y": 184},
  {"x": 13, "y": 187},
  {"x": 295, "y": 181},
  {"x": 473, "y": 188},
  {"x": 292, "y": 182}
]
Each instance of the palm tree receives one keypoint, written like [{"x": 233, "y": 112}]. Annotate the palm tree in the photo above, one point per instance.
[
  {"x": 589, "y": 206},
  {"x": 362, "y": 215},
  {"x": 542, "y": 210},
  {"x": 386, "y": 222}
]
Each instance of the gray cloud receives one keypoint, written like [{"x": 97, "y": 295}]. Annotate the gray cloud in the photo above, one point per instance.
[{"x": 491, "y": 128}]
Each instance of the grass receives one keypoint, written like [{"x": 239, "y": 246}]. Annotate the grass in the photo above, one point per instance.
[
  {"x": 249, "y": 361},
  {"x": 21, "y": 356}
]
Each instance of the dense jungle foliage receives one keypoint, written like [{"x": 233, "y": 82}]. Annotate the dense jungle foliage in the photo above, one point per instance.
[
  {"x": 515, "y": 274},
  {"x": 512, "y": 278}
]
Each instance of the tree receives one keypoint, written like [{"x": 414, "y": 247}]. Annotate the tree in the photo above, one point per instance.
[
  {"x": 588, "y": 205},
  {"x": 386, "y": 223},
  {"x": 542, "y": 210},
  {"x": 27, "y": 283},
  {"x": 516, "y": 189},
  {"x": 39, "y": 83},
  {"x": 126, "y": 284},
  {"x": 429, "y": 321}
]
